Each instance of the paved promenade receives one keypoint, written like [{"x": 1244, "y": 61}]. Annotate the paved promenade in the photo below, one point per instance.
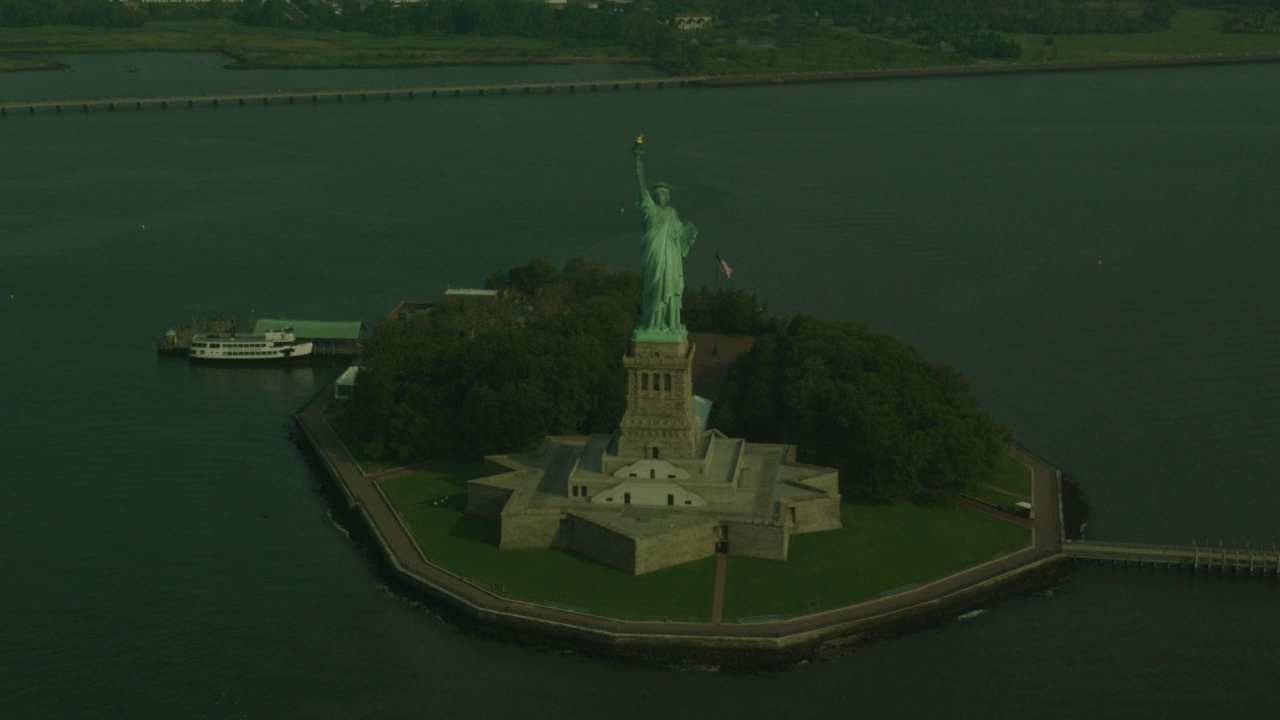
[{"x": 797, "y": 633}]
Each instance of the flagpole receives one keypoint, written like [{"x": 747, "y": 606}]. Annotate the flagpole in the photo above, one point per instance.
[{"x": 715, "y": 321}]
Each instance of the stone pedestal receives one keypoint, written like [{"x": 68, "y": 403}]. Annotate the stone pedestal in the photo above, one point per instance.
[{"x": 661, "y": 421}]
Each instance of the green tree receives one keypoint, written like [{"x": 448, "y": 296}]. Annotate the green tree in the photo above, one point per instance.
[
  {"x": 480, "y": 377},
  {"x": 866, "y": 403}
]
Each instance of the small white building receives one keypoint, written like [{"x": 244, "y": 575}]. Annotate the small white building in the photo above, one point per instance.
[
  {"x": 458, "y": 296},
  {"x": 693, "y": 21},
  {"x": 347, "y": 380}
]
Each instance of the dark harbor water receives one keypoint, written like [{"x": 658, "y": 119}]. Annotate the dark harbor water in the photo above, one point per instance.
[{"x": 1097, "y": 252}]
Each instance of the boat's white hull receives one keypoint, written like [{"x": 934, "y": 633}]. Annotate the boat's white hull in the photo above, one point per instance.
[{"x": 271, "y": 348}]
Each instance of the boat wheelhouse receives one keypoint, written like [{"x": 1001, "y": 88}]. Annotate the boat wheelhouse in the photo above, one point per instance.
[{"x": 272, "y": 346}]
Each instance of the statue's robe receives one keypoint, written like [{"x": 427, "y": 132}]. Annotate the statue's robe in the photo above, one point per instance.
[{"x": 666, "y": 241}]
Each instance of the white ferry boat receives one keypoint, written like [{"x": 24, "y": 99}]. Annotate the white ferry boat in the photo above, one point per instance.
[{"x": 272, "y": 346}]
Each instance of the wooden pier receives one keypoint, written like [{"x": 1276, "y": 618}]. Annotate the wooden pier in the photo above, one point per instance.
[
  {"x": 336, "y": 348},
  {"x": 177, "y": 340},
  {"x": 1195, "y": 558},
  {"x": 294, "y": 97}
]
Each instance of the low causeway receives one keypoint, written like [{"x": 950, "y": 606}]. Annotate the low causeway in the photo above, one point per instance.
[{"x": 293, "y": 97}]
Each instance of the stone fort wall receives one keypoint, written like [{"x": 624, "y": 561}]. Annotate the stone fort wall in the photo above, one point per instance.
[
  {"x": 486, "y": 501},
  {"x": 679, "y": 546},
  {"x": 814, "y": 515},
  {"x": 532, "y": 529},
  {"x": 601, "y": 543},
  {"x": 768, "y": 540}
]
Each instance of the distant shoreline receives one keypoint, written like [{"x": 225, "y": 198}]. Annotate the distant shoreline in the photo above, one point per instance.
[
  {"x": 703, "y": 81},
  {"x": 1050, "y": 66},
  {"x": 1012, "y": 68}
]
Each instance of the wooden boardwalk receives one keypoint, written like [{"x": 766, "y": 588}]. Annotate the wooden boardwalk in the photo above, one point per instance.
[
  {"x": 293, "y": 97},
  {"x": 1246, "y": 560}
]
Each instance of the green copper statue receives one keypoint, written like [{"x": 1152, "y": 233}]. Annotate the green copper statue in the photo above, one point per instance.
[{"x": 666, "y": 242}]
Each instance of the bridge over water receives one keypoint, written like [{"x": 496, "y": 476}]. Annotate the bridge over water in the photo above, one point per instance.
[
  {"x": 359, "y": 94},
  {"x": 1196, "y": 558}
]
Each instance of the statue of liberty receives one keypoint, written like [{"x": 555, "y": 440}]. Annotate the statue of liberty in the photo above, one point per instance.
[{"x": 666, "y": 242}]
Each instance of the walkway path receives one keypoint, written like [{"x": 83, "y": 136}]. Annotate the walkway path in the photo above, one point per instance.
[
  {"x": 1045, "y": 498},
  {"x": 717, "y": 597},
  {"x": 407, "y": 559}
]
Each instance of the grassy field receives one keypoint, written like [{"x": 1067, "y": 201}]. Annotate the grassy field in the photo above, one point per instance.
[
  {"x": 277, "y": 47},
  {"x": 1193, "y": 33},
  {"x": 819, "y": 50},
  {"x": 881, "y": 547},
  {"x": 433, "y": 504},
  {"x": 1010, "y": 484}
]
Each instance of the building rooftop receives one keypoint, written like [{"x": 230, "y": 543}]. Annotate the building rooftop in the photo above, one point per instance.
[{"x": 312, "y": 329}]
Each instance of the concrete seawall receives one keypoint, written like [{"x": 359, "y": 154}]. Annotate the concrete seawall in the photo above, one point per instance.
[{"x": 740, "y": 645}]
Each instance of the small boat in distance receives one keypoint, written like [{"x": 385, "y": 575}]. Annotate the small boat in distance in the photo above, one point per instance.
[{"x": 273, "y": 346}]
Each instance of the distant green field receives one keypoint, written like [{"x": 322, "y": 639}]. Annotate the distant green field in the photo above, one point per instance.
[
  {"x": 881, "y": 547},
  {"x": 1193, "y": 33},
  {"x": 726, "y": 51},
  {"x": 820, "y": 50},
  {"x": 290, "y": 48}
]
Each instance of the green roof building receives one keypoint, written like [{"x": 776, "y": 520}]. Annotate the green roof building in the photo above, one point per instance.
[
  {"x": 312, "y": 329},
  {"x": 330, "y": 337}
]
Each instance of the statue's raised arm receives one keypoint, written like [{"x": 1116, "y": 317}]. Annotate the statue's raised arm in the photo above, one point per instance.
[
  {"x": 666, "y": 242},
  {"x": 637, "y": 150}
]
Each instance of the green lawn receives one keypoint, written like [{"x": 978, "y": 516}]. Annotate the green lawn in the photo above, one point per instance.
[
  {"x": 284, "y": 47},
  {"x": 1192, "y": 32},
  {"x": 1010, "y": 484},
  {"x": 817, "y": 50},
  {"x": 882, "y": 548},
  {"x": 432, "y": 505}
]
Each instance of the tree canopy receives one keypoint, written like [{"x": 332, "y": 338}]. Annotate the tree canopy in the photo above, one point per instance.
[
  {"x": 727, "y": 310},
  {"x": 484, "y": 377},
  {"x": 865, "y": 403},
  {"x": 544, "y": 358}
]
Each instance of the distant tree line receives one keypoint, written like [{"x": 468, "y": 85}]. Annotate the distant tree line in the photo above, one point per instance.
[
  {"x": 866, "y": 403},
  {"x": 96, "y": 13},
  {"x": 984, "y": 44},
  {"x": 974, "y": 28},
  {"x": 639, "y": 22}
]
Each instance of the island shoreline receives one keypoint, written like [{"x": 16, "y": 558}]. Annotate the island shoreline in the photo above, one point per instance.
[
  {"x": 745, "y": 79},
  {"x": 1009, "y": 69},
  {"x": 735, "y": 646}
]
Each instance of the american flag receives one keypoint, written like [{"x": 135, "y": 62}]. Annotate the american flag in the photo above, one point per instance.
[{"x": 724, "y": 266}]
